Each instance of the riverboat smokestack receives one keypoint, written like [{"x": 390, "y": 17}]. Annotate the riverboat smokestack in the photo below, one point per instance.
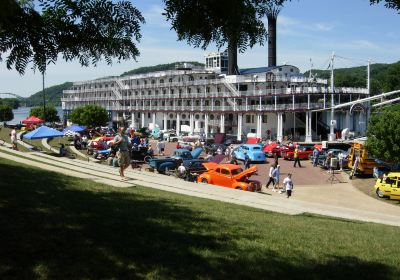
[{"x": 272, "y": 15}]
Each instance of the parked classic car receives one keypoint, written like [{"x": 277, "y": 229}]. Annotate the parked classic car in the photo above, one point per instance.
[
  {"x": 303, "y": 153},
  {"x": 335, "y": 153},
  {"x": 231, "y": 176},
  {"x": 275, "y": 148},
  {"x": 254, "y": 151},
  {"x": 179, "y": 155},
  {"x": 389, "y": 186}
]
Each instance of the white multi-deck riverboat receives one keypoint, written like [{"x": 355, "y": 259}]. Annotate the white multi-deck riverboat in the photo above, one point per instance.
[{"x": 274, "y": 101}]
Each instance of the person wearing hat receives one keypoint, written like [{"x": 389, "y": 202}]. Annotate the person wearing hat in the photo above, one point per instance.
[{"x": 122, "y": 141}]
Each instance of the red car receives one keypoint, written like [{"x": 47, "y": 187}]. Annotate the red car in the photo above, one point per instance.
[
  {"x": 303, "y": 153},
  {"x": 275, "y": 148}
]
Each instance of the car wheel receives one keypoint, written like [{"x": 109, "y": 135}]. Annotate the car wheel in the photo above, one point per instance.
[
  {"x": 380, "y": 193},
  {"x": 204, "y": 180},
  {"x": 147, "y": 159}
]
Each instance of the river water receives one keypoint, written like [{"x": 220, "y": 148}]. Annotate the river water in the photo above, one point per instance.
[{"x": 22, "y": 113}]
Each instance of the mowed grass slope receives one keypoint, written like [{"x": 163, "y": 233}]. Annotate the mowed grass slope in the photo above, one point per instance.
[{"x": 57, "y": 227}]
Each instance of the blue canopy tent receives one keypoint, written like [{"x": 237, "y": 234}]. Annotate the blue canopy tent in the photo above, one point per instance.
[
  {"x": 74, "y": 128},
  {"x": 43, "y": 132}
]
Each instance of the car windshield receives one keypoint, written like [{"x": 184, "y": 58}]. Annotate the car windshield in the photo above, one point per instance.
[{"x": 236, "y": 171}]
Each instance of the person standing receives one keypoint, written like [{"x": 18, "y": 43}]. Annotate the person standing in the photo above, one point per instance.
[
  {"x": 341, "y": 160},
  {"x": 296, "y": 157},
  {"x": 271, "y": 176},
  {"x": 122, "y": 141},
  {"x": 277, "y": 174},
  {"x": 14, "y": 139},
  {"x": 315, "y": 157},
  {"x": 246, "y": 161},
  {"x": 288, "y": 185}
]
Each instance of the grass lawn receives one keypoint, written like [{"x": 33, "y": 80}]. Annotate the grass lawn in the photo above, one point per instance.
[{"x": 57, "y": 227}]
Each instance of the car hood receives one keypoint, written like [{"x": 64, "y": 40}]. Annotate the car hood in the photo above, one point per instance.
[
  {"x": 210, "y": 165},
  {"x": 196, "y": 152},
  {"x": 246, "y": 173}
]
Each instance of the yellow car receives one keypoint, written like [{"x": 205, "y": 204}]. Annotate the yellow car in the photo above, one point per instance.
[{"x": 389, "y": 186}]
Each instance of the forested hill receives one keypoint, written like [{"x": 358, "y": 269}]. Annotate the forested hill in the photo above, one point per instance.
[
  {"x": 384, "y": 77},
  {"x": 52, "y": 95},
  {"x": 159, "y": 67}
]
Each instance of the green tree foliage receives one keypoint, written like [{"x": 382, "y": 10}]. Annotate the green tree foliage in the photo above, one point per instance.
[
  {"x": 159, "y": 67},
  {"x": 90, "y": 116},
  {"x": 51, "y": 113},
  {"x": 6, "y": 113},
  {"x": 12, "y": 102},
  {"x": 384, "y": 77},
  {"x": 237, "y": 23},
  {"x": 84, "y": 30},
  {"x": 384, "y": 135},
  {"x": 52, "y": 94}
]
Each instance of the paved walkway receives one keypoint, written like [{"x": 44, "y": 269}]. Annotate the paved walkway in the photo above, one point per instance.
[{"x": 337, "y": 200}]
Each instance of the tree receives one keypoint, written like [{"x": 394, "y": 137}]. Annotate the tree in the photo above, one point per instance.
[
  {"x": 6, "y": 113},
  {"x": 90, "y": 115},
  {"x": 237, "y": 23},
  {"x": 84, "y": 30},
  {"x": 384, "y": 135},
  {"x": 50, "y": 116},
  {"x": 390, "y": 4}
]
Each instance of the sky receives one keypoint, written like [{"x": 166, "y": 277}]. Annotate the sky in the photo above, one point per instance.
[{"x": 308, "y": 32}]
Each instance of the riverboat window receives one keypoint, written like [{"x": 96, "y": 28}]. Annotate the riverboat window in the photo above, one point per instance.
[
  {"x": 149, "y": 92},
  {"x": 138, "y": 115},
  {"x": 265, "y": 118},
  {"x": 191, "y": 78},
  {"x": 161, "y": 81},
  {"x": 207, "y": 103},
  {"x": 180, "y": 91},
  {"x": 172, "y": 91},
  {"x": 197, "y": 103},
  {"x": 171, "y": 116},
  {"x": 197, "y": 117},
  {"x": 137, "y": 82},
  {"x": 153, "y": 82},
  {"x": 249, "y": 118},
  {"x": 291, "y": 69},
  {"x": 171, "y": 103},
  {"x": 198, "y": 90},
  {"x": 148, "y": 115},
  {"x": 145, "y": 82},
  {"x": 183, "y": 116},
  {"x": 188, "y": 103},
  {"x": 217, "y": 103},
  {"x": 218, "y": 89},
  {"x": 179, "y": 103},
  {"x": 189, "y": 90},
  {"x": 280, "y": 69},
  {"x": 208, "y": 89},
  {"x": 170, "y": 80},
  {"x": 164, "y": 91}
]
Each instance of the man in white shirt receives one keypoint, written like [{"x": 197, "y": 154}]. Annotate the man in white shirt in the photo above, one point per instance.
[
  {"x": 288, "y": 185},
  {"x": 341, "y": 160}
]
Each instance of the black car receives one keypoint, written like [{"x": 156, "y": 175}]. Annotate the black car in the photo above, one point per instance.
[{"x": 194, "y": 167}]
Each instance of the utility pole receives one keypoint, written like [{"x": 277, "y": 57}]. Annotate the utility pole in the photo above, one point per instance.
[
  {"x": 368, "y": 111},
  {"x": 44, "y": 101},
  {"x": 332, "y": 135}
]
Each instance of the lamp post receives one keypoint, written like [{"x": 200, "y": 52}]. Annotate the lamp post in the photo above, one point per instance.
[{"x": 44, "y": 101}]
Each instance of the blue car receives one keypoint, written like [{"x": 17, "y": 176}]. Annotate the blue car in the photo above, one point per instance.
[{"x": 254, "y": 151}]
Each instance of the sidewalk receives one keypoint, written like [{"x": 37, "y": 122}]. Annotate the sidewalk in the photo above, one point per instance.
[{"x": 337, "y": 200}]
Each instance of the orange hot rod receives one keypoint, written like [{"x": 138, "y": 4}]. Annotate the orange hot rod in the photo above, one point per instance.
[{"x": 231, "y": 176}]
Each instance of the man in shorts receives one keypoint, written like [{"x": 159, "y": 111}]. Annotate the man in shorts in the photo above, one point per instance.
[{"x": 122, "y": 141}]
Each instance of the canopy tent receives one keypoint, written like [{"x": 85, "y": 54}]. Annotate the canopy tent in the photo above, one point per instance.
[
  {"x": 32, "y": 120},
  {"x": 74, "y": 128},
  {"x": 43, "y": 132}
]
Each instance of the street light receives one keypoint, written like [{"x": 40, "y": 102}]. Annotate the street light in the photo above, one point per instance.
[{"x": 44, "y": 101}]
